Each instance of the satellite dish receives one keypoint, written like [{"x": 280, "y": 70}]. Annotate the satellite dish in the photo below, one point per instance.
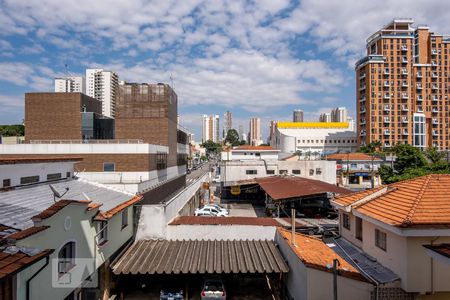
[{"x": 57, "y": 194}]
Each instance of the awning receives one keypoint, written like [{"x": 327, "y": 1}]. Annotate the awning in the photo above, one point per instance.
[{"x": 201, "y": 257}]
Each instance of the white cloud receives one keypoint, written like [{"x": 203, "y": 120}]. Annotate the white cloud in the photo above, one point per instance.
[{"x": 32, "y": 77}]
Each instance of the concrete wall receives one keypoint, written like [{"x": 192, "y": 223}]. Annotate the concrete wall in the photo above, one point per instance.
[
  {"x": 249, "y": 155},
  {"x": 220, "y": 232},
  {"x": 305, "y": 283},
  {"x": 236, "y": 170},
  {"x": 83, "y": 231},
  {"x": 16, "y": 171}
]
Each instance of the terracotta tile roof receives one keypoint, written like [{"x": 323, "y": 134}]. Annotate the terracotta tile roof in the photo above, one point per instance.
[
  {"x": 442, "y": 249},
  {"x": 11, "y": 264},
  {"x": 56, "y": 207},
  {"x": 352, "y": 156},
  {"x": 314, "y": 253},
  {"x": 348, "y": 199},
  {"x": 110, "y": 213},
  {"x": 259, "y": 148},
  {"x": 285, "y": 187},
  {"x": 193, "y": 220},
  {"x": 19, "y": 235},
  {"x": 418, "y": 202},
  {"x": 36, "y": 159}
]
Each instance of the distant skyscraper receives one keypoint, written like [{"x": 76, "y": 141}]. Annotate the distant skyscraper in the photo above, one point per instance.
[
  {"x": 273, "y": 128},
  {"x": 72, "y": 84},
  {"x": 241, "y": 130},
  {"x": 339, "y": 114},
  {"x": 227, "y": 123},
  {"x": 103, "y": 85},
  {"x": 325, "y": 117},
  {"x": 298, "y": 115},
  {"x": 210, "y": 128},
  {"x": 255, "y": 138}
]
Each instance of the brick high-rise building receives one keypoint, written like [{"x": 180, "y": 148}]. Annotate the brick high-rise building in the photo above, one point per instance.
[
  {"x": 228, "y": 123},
  {"x": 255, "y": 137},
  {"x": 297, "y": 115},
  {"x": 210, "y": 128},
  {"x": 402, "y": 87}
]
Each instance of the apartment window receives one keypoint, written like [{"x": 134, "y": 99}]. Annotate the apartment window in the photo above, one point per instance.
[
  {"x": 380, "y": 239},
  {"x": 161, "y": 161},
  {"x": 251, "y": 172},
  {"x": 124, "y": 218},
  {"x": 6, "y": 182},
  {"x": 102, "y": 232},
  {"x": 257, "y": 154},
  {"x": 54, "y": 176},
  {"x": 66, "y": 257},
  {"x": 29, "y": 179},
  {"x": 318, "y": 171},
  {"x": 109, "y": 167},
  {"x": 67, "y": 174},
  {"x": 181, "y": 159},
  {"x": 270, "y": 172},
  {"x": 358, "y": 228},
  {"x": 311, "y": 172},
  {"x": 296, "y": 172},
  {"x": 346, "y": 221},
  {"x": 283, "y": 172}
]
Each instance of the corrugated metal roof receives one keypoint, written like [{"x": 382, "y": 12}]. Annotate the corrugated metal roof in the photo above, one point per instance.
[
  {"x": 285, "y": 187},
  {"x": 18, "y": 206},
  {"x": 201, "y": 257}
]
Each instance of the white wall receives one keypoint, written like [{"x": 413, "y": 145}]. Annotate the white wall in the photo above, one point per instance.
[
  {"x": 15, "y": 171},
  {"x": 78, "y": 148},
  {"x": 233, "y": 171},
  {"x": 249, "y": 155},
  {"x": 220, "y": 232}
]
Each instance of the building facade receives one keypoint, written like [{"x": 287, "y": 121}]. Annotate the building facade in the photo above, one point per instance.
[
  {"x": 103, "y": 85},
  {"x": 339, "y": 114},
  {"x": 402, "y": 87},
  {"x": 210, "y": 128},
  {"x": 314, "y": 138},
  {"x": 72, "y": 84},
  {"x": 255, "y": 138},
  {"x": 228, "y": 123},
  {"x": 297, "y": 115},
  {"x": 325, "y": 117}
]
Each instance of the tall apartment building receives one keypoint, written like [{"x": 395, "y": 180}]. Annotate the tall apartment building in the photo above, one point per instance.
[
  {"x": 339, "y": 114},
  {"x": 210, "y": 128},
  {"x": 228, "y": 124},
  {"x": 255, "y": 137},
  {"x": 102, "y": 85},
  {"x": 325, "y": 117},
  {"x": 402, "y": 87},
  {"x": 72, "y": 84},
  {"x": 297, "y": 115}
]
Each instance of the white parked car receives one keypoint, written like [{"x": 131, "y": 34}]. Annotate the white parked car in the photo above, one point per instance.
[
  {"x": 218, "y": 207},
  {"x": 210, "y": 212},
  {"x": 216, "y": 179}
]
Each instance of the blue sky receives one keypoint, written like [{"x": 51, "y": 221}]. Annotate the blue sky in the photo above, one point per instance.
[{"x": 254, "y": 58}]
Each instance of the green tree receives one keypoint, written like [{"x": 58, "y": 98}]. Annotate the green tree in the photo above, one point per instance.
[
  {"x": 408, "y": 157},
  {"x": 212, "y": 147},
  {"x": 12, "y": 130},
  {"x": 242, "y": 142},
  {"x": 232, "y": 137}
]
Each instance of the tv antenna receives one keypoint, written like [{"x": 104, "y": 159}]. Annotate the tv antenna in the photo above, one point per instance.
[{"x": 57, "y": 194}]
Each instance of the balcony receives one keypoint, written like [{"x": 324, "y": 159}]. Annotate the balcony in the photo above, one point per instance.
[
  {"x": 419, "y": 109},
  {"x": 434, "y": 75},
  {"x": 387, "y": 120},
  {"x": 419, "y": 98},
  {"x": 405, "y": 132},
  {"x": 363, "y": 133},
  {"x": 387, "y": 96},
  {"x": 362, "y": 75},
  {"x": 404, "y": 48},
  {"x": 386, "y": 108},
  {"x": 433, "y": 51},
  {"x": 386, "y": 72},
  {"x": 435, "y": 110},
  {"x": 435, "y": 133},
  {"x": 434, "y": 86},
  {"x": 419, "y": 86},
  {"x": 434, "y": 98},
  {"x": 362, "y": 122},
  {"x": 404, "y": 95},
  {"x": 404, "y": 108},
  {"x": 362, "y": 87},
  {"x": 405, "y": 120},
  {"x": 435, "y": 121},
  {"x": 363, "y": 98},
  {"x": 387, "y": 144},
  {"x": 387, "y": 132},
  {"x": 419, "y": 75},
  {"x": 404, "y": 71},
  {"x": 404, "y": 59},
  {"x": 433, "y": 63},
  {"x": 362, "y": 110},
  {"x": 405, "y": 84},
  {"x": 386, "y": 83}
]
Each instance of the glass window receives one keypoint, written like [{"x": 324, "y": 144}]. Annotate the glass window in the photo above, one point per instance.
[
  {"x": 296, "y": 172},
  {"x": 358, "y": 228},
  {"x": 6, "y": 182},
  {"x": 102, "y": 232},
  {"x": 66, "y": 257},
  {"x": 346, "y": 221},
  {"x": 283, "y": 172},
  {"x": 380, "y": 239},
  {"x": 318, "y": 171},
  {"x": 125, "y": 218},
  {"x": 109, "y": 167},
  {"x": 311, "y": 172},
  {"x": 67, "y": 174},
  {"x": 270, "y": 172},
  {"x": 54, "y": 176},
  {"x": 251, "y": 172},
  {"x": 29, "y": 179}
]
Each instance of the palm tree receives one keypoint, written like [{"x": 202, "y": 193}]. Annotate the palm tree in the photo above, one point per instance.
[{"x": 298, "y": 153}]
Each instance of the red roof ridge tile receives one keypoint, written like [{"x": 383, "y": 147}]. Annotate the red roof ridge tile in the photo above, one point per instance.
[
  {"x": 19, "y": 235},
  {"x": 409, "y": 216}
]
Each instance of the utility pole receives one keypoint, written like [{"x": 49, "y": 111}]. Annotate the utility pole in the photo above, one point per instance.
[{"x": 335, "y": 274}]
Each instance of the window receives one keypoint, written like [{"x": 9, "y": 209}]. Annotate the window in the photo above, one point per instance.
[
  {"x": 124, "y": 218},
  {"x": 318, "y": 171},
  {"x": 283, "y": 172},
  {"x": 29, "y": 179},
  {"x": 311, "y": 172},
  {"x": 358, "y": 228},
  {"x": 181, "y": 159},
  {"x": 66, "y": 257},
  {"x": 296, "y": 172},
  {"x": 251, "y": 172},
  {"x": 346, "y": 221},
  {"x": 54, "y": 176},
  {"x": 67, "y": 174},
  {"x": 102, "y": 232},
  {"x": 161, "y": 161},
  {"x": 6, "y": 182},
  {"x": 257, "y": 154},
  {"x": 380, "y": 239},
  {"x": 109, "y": 167},
  {"x": 270, "y": 172}
]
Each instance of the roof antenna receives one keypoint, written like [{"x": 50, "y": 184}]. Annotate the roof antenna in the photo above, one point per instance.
[{"x": 56, "y": 194}]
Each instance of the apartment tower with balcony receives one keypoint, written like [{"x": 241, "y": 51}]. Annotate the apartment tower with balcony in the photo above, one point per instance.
[
  {"x": 402, "y": 87},
  {"x": 103, "y": 85}
]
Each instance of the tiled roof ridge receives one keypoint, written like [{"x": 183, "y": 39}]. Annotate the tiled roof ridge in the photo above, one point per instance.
[
  {"x": 409, "y": 216},
  {"x": 389, "y": 190}
]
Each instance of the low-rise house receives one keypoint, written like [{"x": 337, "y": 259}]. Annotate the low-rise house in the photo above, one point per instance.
[
  {"x": 79, "y": 225},
  {"x": 357, "y": 169},
  {"x": 248, "y": 152},
  {"x": 400, "y": 226}
]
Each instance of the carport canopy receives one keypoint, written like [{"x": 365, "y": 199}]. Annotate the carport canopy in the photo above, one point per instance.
[{"x": 201, "y": 257}]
